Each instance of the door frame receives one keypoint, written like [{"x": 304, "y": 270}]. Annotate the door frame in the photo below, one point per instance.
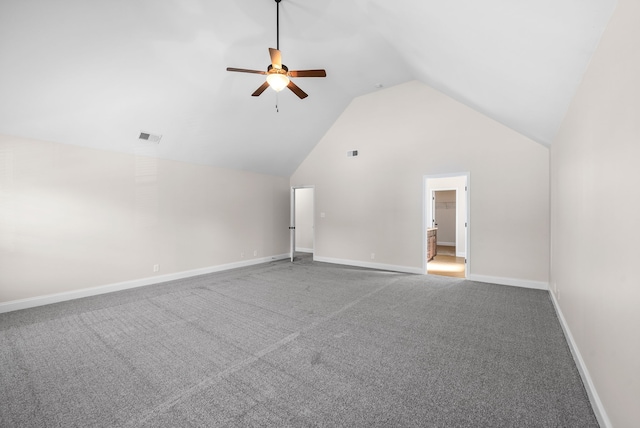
[
  {"x": 292, "y": 220},
  {"x": 427, "y": 213}
]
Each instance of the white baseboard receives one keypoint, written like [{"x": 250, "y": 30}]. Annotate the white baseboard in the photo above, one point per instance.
[
  {"x": 537, "y": 285},
  {"x": 304, "y": 250},
  {"x": 594, "y": 398},
  {"x": 381, "y": 266},
  {"x": 32, "y": 302}
]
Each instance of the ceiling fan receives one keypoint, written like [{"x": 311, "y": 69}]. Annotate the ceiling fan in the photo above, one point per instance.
[{"x": 278, "y": 75}]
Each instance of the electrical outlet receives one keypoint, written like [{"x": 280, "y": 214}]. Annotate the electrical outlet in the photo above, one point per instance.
[
  {"x": 156, "y": 268},
  {"x": 255, "y": 253},
  {"x": 242, "y": 254},
  {"x": 373, "y": 256}
]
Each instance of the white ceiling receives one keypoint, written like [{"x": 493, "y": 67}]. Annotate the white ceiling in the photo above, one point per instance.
[{"x": 96, "y": 73}]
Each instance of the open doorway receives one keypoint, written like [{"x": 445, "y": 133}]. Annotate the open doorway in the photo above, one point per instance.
[
  {"x": 446, "y": 223},
  {"x": 302, "y": 222}
]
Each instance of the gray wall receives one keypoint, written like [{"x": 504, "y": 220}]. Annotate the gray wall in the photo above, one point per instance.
[
  {"x": 72, "y": 218},
  {"x": 595, "y": 212},
  {"x": 373, "y": 203},
  {"x": 445, "y": 214}
]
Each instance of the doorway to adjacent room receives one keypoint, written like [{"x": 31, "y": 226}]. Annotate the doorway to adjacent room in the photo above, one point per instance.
[
  {"x": 302, "y": 221},
  {"x": 446, "y": 222}
]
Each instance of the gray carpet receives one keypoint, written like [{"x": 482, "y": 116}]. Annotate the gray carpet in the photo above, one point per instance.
[{"x": 302, "y": 344}]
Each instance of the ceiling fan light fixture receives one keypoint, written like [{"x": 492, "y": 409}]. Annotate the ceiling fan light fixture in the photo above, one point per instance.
[
  {"x": 278, "y": 81},
  {"x": 277, "y": 73}
]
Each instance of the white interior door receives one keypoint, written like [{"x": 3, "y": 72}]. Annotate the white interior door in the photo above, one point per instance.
[
  {"x": 433, "y": 209},
  {"x": 292, "y": 224}
]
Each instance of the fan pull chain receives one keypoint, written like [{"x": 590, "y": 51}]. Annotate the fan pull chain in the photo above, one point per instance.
[{"x": 277, "y": 111}]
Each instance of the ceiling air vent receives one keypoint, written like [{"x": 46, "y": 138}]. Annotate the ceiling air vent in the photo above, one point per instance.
[{"x": 150, "y": 137}]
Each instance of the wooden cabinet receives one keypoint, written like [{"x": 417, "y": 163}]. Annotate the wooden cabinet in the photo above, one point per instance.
[{"x": 432, "y": 243}]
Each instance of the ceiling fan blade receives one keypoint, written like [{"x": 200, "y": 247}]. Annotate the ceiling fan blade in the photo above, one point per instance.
[
  {"x": 244, "y": 70},
  {"x": 308, "y": 73},
  {"x": 296, "y": 90},
  {"x": 276, "y": 58},
  {"x": 261, "y": 89}
]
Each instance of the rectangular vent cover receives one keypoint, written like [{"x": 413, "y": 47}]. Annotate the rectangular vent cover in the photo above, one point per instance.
[
  {"x": 352, "y": 153},
  {"x": 150, "y": 137}
]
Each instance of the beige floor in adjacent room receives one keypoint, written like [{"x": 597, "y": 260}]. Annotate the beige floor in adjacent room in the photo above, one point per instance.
[{"x": 446, "y": 263}]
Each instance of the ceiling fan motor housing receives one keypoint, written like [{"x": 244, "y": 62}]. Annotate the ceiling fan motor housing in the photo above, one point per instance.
[{"x": 282, "y": 70}]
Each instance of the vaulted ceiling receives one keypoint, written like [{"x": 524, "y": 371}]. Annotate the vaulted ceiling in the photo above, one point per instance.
[{"x": 97, "y": 73}]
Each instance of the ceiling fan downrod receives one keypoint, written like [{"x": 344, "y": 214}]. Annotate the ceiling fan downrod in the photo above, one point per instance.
[{"x": 278, "y": 24}]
